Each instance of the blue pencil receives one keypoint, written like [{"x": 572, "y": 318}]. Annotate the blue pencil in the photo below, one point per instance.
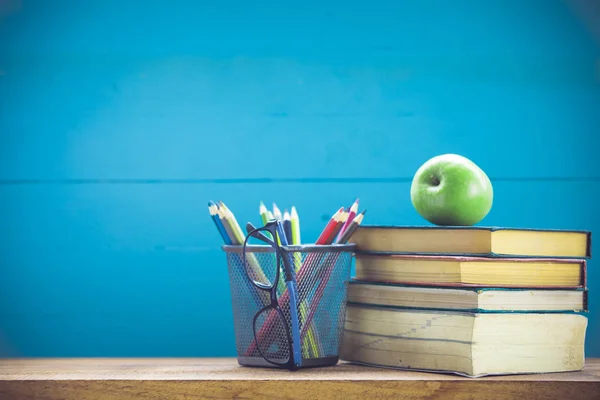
[
  {"x": 212, "y": 209},
  {"x": 290, "y": 278}
]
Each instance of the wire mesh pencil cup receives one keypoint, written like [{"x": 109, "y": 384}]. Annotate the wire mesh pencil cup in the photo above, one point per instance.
[{"x": 322, "y": 275}]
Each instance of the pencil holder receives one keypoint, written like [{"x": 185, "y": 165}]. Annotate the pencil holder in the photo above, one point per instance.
[{"x": 265, "y": 331}]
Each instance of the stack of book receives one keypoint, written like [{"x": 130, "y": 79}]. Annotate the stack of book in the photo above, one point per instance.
[{"x": 468, "y": 300}]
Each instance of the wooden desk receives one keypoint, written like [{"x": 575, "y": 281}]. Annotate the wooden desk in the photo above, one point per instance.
[{"x": 193, "y": 378}]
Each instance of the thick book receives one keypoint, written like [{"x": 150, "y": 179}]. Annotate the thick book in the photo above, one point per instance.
[
  {"x": 472, "y": 271},
  {"x": 468, "y": 299},
  {"x": 469, "y": 344},
  {"x": 486, "y": 241}
]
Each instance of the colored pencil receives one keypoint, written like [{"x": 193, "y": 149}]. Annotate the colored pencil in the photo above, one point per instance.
[
  {"x": 330, "y": 261},
  {"x": 293, "y": 298},
  {"x": 277, "y": 215},
  {"x": 287, "y": 227},
  {"x": 295, "y": 220},
  {"x": 313, "y": 348},
  {"x": 212, "y": 210},
  {"x": 238, "y": 238},
  {"x": 264, "y": 217},
  {"x": 326, "y": 233},
  {"x": 230, "y": 238},
  {"x": 277, "y": 212},
  {"x": 351, "y": 216},
  {"x": 262, "y": 209},
  {"x": 351, "y": 228},
  {"x": 227, "y": 225},
  {"x": 235, "y": 227},
  {"x": 341, "y": 219}
]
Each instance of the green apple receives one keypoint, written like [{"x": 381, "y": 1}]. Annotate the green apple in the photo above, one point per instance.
[{"x": 450, "y": 189}]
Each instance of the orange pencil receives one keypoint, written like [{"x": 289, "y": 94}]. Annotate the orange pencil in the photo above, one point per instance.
[{"x": 326, "y": 234}]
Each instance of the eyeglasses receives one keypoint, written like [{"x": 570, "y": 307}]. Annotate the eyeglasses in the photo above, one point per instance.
[{"x": 274, "y": 343}]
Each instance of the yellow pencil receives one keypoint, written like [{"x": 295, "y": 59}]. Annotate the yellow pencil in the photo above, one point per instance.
[
  {"x": 312, "y": 348},
  {"x": 238, "y": 239},
  {"x": 235, "y": 227},
  {"x": 295, "y": 219}
]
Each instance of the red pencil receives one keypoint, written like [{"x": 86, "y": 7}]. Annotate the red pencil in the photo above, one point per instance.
[
  {"x": 343, "y": 238},
  {"x": 330, "y": 260},
  {"x": 340, "y": 221},
  {"x": 351, "y": 215},
  {"x": 326, "y": 234}
]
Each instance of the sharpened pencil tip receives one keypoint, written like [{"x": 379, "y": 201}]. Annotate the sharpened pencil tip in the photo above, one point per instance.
[{"x": 276, "y": 212}]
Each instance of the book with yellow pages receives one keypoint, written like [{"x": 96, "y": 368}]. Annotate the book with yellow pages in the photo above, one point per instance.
[
  {"x": 486, "y": 241},
  {"x": 465, "y": 343},
  {"x": 450, "y": 270},
  {"x": 487, "y": 299}
]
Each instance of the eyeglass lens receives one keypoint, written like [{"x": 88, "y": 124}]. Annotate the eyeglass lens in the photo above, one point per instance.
[{"x": 274, "y": 345}]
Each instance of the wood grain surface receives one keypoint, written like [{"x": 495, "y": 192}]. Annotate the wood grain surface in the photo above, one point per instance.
[{"x": 193, "y": 378}]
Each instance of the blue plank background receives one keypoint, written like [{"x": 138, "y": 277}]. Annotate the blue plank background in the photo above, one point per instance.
[{"x": 120, "y": 120}]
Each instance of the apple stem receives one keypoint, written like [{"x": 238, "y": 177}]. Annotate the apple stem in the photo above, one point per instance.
[{"x": 434, "y": 180}]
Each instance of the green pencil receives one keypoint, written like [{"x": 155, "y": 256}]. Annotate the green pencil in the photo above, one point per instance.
[
  {"x": 264, "y": 214},
  {"x": 264, "y": 217}
]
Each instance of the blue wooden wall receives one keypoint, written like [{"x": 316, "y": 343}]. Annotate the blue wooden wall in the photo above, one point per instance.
[{"x": 119, "y": 120}]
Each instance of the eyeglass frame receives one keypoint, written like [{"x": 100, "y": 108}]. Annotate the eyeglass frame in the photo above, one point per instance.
[{"x": 275, "y": 228}]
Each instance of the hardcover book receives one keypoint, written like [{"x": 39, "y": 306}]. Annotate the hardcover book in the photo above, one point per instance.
[
  {"x": 468, "y": 298},
  {"x": 482, "y": 241},
  {"x": 471, "y": 271},
  {"x": 464, "y": 343}
]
